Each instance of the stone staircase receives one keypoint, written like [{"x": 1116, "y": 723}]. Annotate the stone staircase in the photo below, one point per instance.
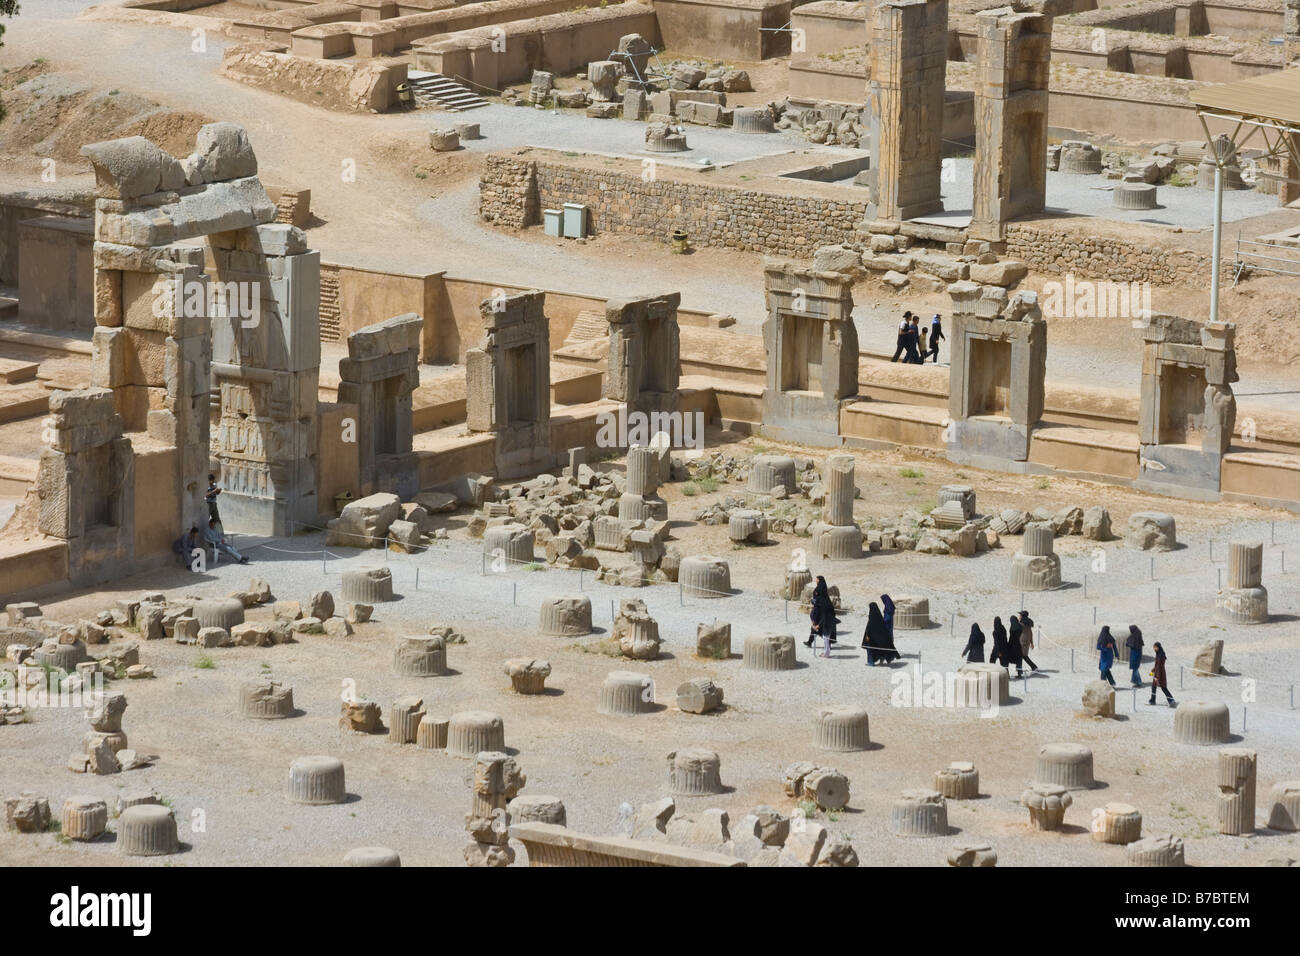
[
  {"x": 329, "y": 303},
  {"x": 587, "y": 326},
  {"x": 434, "y": 89}
]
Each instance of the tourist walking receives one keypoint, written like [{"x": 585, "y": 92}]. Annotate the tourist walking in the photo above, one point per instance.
[
  {"x": 887, "y": 612},
  {"x": 913, "y": 336},
  {"x": 923, "y": 345},
  {"x": 999, "y": 653},
  {"x": 936, "y": 333},
  {"x": 1134, "y": 645},
  {"x": 823, "y": 617},
  {"x": 1158, "y": 676},
  {"x": 904, "y": 330},
  {"x": 1014, "y": 654},
  {"x": 876, "y": 635},
  {"x": 1027, "y": 639},
  {"x": 974, "y": 649},
  {"x": 1106, "y": 656}
]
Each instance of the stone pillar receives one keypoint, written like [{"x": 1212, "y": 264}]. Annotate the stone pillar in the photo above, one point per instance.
[
  {"x": 1013, "y": 66},
  {"x": 1187, "y": 411},
  {"x": 1237, "y": 790},
  {"x": 812, "y": 353},
  {"x": 265, "y": 373},
  {"x": 379, "y": 376},
  {"x": 838, "y": 478},
  {"x": 1291, "y": 37},
  {"x": 996, "y": 383},
  {"x": 1244, "y": 600},
  {"x": 644, "y": 366},
  {"x": 497, "y": 780},
  {"x": 85, "y": 485},
  {"x": 508, "y": 383},
  {"x": 908, "y": 40}
]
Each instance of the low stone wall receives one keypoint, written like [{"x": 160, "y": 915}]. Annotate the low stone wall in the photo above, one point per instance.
[
  {"x": 711, "y": 214},
  {"x": 347, "y": 87},
  {"x": 1056, "y": 249}
]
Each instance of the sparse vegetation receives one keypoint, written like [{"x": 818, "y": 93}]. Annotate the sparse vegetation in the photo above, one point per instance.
[
  {"x": 205, "y": 663},
  {"x": 911, "y": 473},
  {"x": 690, "y": 489}
]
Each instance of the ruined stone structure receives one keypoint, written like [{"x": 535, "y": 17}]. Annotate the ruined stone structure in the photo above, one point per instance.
[
  {"x": 158, "y": 314},
  {"x": 908, "y": 41},
  {"x": 812, "y": 353},
  {"x": 378, "y": 376},
  {"x": 86, "y": 485},
  {"x": 1014, "y": 61},
  {"x": 265, "y": 371},
  {"x": 996, "y": 383},
  {"x": 1187, "y": 409},
  {"x": 508, "y": 383},
  {"x": 644, "y": 353}
]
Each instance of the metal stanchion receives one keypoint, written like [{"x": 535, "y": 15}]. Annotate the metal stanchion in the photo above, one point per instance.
[
  {"x": 1072, "y": 660},
  {"x": 417, "y": 577},
  {"x": 786, "y": 603},
  {"x": 681, "y": 594},
  {"x": 1158, "y": 607},
  {"x": 1153, "y": 568},
  {"x": 1094, "y": 615},
  {"x": 1243, "y": 718},
  {"x": 612, "y": 615},
  {"x": 1180, "y": 677},
  {"x": 514, "y": 592}
]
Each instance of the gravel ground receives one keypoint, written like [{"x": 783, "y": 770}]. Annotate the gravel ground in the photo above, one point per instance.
[
  {"x": 1078, "y": 195},
  {"x": 234, "y": 770},
  {"x": 503, "y": 127}
]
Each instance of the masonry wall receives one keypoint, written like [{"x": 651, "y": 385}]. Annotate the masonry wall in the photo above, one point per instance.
[
  {"x": 1056, "y": 250},
  {"x": 712, "y": 215}
]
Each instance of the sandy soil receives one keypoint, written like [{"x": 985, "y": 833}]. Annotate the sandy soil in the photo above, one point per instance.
[{"x": 229, "y": 774}]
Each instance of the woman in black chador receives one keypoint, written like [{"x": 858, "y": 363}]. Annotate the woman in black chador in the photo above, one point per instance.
[
  {"x": 822, "y": 614},
  {"x": 876, "y": 639},
  {"x": 999, "y": 653},
  {"x": 974, "y": 649}
]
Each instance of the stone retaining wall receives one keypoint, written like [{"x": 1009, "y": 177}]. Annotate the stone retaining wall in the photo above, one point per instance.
[
  {"x": 1056, "y": 251},
  {"x": 624, "y": 203}
]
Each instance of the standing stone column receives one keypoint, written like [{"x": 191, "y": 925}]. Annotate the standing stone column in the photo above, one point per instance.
[
  {"x": 1244, "y": 600},
  {"x": 838, "y": 476},
  {"x": 908, "y": 42},
  {"x": 1013, "y": 65},
  {"x": 1237, "y": 790},
  {"x": 497, "y": 780}
]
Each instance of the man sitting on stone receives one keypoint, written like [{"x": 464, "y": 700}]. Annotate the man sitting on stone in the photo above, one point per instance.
[{"x": 220, "y": 542}]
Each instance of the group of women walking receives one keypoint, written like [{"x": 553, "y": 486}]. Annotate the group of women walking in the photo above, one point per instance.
[
  {"x": 1009, "y": 647},
  {"x": 877, "y": 639},
  {"x": 1108, "y": 651}
]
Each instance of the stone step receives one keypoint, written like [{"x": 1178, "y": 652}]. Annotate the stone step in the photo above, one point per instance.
[{"x": 587, "y": 326}]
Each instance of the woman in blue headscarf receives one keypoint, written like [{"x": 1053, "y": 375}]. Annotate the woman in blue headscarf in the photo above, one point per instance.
[{"x": 1106, "y": 659}]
